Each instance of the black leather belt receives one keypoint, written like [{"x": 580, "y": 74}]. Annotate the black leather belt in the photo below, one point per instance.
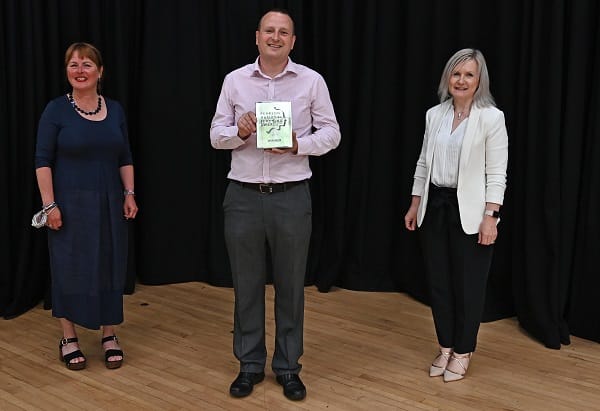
[
  {"x": 269, "y": 188},
  {"x": 448, "y": 190}
]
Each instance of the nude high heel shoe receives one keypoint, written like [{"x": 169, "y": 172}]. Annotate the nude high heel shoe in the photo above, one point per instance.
[
  {"x": 440, "y": 362},
  {"x": 457, "y": 367}
]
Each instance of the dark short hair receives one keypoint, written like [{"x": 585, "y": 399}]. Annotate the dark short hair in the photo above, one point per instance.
[{"x": 280, "y": 11}]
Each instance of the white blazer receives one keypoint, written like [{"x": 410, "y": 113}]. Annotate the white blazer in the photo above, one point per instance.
[{"x": 482, "y": 164}]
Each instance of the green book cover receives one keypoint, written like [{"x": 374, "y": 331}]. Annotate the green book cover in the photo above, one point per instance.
[{"x": 274, "y": 124}]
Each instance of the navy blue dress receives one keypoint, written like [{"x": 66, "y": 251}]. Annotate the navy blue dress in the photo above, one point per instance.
[{"x": 88, "y": 255}]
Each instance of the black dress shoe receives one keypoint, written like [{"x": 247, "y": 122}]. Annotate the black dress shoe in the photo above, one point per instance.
[
  {"x": 293, "y": 388},
  {"x": 244, "y": 383}
]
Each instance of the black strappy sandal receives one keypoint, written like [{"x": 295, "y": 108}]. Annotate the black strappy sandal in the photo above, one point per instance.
[
  {"x": 72, "y": 355},
  {"x": 111, "y": 365}
]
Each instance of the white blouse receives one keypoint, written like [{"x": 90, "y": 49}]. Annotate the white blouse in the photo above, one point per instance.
[{"x": 446, "y": 154}]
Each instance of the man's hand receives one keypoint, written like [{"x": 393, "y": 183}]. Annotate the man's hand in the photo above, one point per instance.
[
  {"x": 246, "y": 125},
  {"x": 293, "y": 149}
]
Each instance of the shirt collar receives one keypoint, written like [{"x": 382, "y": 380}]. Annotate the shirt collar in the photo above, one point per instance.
[{"x": 290, "y": 67}]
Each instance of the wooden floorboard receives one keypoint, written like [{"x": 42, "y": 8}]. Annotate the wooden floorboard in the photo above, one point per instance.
[{"x": 362, "y": 351}]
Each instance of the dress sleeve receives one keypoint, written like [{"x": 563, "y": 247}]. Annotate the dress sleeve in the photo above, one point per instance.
[
  {"x": 125, "y": 157},
  {"x": 48, "y": 129}
]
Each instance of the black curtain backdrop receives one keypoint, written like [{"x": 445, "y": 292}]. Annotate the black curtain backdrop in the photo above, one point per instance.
[{"x": 165, "y": 62}]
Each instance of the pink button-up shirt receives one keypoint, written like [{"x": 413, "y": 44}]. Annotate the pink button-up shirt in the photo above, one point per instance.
[{"x": 313, "y": 120}]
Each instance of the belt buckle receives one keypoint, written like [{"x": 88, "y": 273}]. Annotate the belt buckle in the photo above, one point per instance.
[{"x": 265, "y": 188}]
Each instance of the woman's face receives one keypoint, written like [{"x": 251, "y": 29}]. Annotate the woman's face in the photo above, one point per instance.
[
  {"x": 82, "y": 72},
  {"x": 464, "y": 80}
]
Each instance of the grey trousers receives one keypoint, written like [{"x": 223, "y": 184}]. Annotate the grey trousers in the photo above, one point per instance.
[{"x": 283, "y": 222}]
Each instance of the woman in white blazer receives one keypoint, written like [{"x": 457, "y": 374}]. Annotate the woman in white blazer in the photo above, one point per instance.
[{"x": 458, "y": 189}]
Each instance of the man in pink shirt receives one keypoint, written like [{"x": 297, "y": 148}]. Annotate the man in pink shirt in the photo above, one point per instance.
[{"x": 268, "y": 203}]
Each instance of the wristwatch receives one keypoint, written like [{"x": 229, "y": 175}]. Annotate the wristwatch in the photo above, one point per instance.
[{"x": 492, "y": 213}]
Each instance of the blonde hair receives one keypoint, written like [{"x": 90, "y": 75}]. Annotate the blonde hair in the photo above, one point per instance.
[{"x": 483, "y": 97}]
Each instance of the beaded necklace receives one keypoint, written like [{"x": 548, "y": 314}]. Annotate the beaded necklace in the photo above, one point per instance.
[{"x": 87, "y": 113}]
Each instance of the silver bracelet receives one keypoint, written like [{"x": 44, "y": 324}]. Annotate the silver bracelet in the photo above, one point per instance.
[
  {"x": 49, "y": 207},
  {"x": 128, "y": 192}
]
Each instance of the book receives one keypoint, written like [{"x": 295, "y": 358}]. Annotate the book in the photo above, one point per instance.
[{"x": 274, "y": 124}]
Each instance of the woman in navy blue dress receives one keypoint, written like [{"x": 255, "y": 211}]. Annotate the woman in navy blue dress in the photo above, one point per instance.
[{"x": 85, "y": 176}]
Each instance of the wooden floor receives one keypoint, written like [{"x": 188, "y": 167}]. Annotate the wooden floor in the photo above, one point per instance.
[{"x": 363, "y": 351}]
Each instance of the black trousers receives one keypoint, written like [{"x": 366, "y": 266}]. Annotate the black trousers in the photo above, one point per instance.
[{"x": 457, "y": 270}]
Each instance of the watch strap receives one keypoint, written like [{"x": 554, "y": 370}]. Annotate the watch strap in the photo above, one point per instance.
[{"x": 492, "y": 213}]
